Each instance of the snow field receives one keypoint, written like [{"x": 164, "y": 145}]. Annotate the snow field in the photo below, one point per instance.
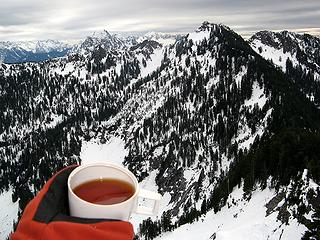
[
  {"x": 242, "y": 221},
  {"x": 8, "y": 213}
]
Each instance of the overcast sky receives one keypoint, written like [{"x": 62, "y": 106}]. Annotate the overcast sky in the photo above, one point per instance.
[{"x": 75, "y": 19}]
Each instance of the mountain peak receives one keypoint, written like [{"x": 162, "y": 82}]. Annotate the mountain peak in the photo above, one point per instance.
[
  {"x": 214, "y": 32},
  {"x": 100, "y": 39},
  {"x": 101, "y": 34},
  {"x": 285, "y": 37},
  {"x": 207, "y": 26}
]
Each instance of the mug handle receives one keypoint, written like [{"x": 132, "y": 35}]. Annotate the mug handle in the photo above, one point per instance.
[{"x": 152, "y": 196}]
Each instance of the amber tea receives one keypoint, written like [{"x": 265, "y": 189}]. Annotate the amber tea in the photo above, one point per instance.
[{"x": 105, "y": 191}]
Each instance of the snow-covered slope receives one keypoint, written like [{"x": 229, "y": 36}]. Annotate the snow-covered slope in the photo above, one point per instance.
[
  {"x": 240, "y": 219},
  {"x": 302, "y": 49},
  {"x": 256, "y": 217},
  {"x": 112, "y": 151},
  {"x": 296, "y": 54}
]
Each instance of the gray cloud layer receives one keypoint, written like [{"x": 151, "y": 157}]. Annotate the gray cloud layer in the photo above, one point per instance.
[{"x": 74, "y": 19}]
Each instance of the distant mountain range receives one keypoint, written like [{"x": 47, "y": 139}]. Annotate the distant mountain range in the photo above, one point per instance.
[
  {"x": 32, "y": 51},
  {"x": 267, "y": 43},
  {"x": 38, "y": 51}
]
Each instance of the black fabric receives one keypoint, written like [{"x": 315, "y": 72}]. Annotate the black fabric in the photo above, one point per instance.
[{"x": 54, "y": 205}]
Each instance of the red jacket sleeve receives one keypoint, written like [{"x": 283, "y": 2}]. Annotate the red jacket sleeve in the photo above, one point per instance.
[{"x": 45, "y": 219}]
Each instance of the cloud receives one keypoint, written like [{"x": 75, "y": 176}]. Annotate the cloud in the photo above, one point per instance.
[{"x": 74, "y": 19}]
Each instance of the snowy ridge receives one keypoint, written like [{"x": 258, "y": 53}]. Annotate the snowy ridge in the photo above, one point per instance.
[
  {"x": 240, "y": 219},
  {"x": 298, "y": 52},
  {"x": 280, "y": 46},
  {"x": 277, "y": 56}
]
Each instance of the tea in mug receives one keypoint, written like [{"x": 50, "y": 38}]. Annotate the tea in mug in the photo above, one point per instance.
[{"x": 105, "y": 191}]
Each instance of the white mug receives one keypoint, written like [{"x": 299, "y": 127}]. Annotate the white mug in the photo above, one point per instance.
[{"x": 120, "y": 211}]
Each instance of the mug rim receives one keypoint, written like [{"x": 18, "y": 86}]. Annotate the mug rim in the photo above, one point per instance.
[{"x": 118, "y": 167}]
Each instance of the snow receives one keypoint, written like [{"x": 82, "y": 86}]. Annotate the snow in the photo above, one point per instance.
[
  {"x": 55, "y": 121},
  {"x": 94, "y": 152},
  {"x": 243, "y": 220},
  {"x": 276, "y": 55},
  {"x": 188, "y": 175},
  {"x": 239, "y": 76},
  {"x": 224, "y": 166},
  {"x": 118, "y": 69},
  {"x": 69, "y": 68},
  {"x": 158, "y": 151},
  {"x": 83, "y": 73},
  {"x": 257, "y": 97},
  {"x": 165, "y": 39},
  {"x": 149, "y": 183},
  {"x": 153, "y": 63},
  {"x": 27, "y": 45},
  {"x": 45, "y": 46},
  {"x": 244, "y": 137},
  {"x": 212, "y": 82},
  {"x": 8, "y": 213},
  {"x": 42, "y": 46},
  {"x": 197, "y": 37},
  {"x": 101, "y": 34},
  {"x": 309, "y": 215}
]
